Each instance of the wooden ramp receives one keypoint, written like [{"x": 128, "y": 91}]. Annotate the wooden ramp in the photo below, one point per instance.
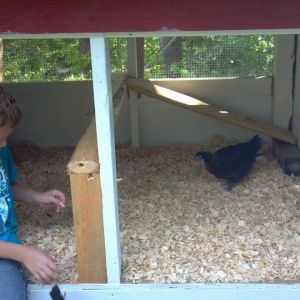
[{"x": 150, "y": 89}]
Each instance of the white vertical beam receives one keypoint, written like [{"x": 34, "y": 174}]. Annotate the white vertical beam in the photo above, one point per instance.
[
  {"x": 132, "y": 57},
  {"x": 283, "y": 80},
  {"x": 133, "y": 100},
  {"x": 296, "y": 108},
  {"x": 106, "y": 151}
]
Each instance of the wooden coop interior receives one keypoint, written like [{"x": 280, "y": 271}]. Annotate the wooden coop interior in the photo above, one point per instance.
[
  {"x": 142, "y": 209},
  {"x": 173, "y": 105},
  {"x": 84, "y": 165}
]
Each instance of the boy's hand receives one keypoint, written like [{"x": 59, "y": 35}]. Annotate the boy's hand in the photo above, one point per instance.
[
  {"x": 52, "y": 199},
  {"x": 40, "y": 264}
]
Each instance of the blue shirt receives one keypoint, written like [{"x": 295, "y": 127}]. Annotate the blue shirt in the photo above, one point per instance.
[{"x": 8, "y": 175}]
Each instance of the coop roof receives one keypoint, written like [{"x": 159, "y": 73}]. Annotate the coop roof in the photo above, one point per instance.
[{"x": 92, "y": 16}]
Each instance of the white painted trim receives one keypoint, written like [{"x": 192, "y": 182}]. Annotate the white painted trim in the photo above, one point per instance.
[
  {"x": 172, "y": 292},
  {"x": 284, "y": 58},
  {"x": 149, "y": 33},
  {"x": 133, "y": 101},
  {"x": 106, "y": 151}
]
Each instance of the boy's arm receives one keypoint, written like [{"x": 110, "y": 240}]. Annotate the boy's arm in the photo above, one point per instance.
[
  {"x": 39, "y": 263},
  {"x": 24, "y": 194},
  {"x": 52, "y": 198},
  {"x": 12, "y": 251}
]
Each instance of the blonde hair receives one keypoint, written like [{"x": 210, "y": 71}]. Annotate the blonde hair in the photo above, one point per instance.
[{"x": 10, "y": 113}]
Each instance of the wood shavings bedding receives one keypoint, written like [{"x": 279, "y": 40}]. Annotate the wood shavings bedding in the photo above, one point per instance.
[
  {"x": 177, "y": 222},
  {"x": 179, "y": 225}
]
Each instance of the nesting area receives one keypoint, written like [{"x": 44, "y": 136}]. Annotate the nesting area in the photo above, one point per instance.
[{"x": 178, "y": 224}]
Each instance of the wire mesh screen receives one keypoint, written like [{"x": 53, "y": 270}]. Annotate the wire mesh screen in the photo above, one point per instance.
[
  {"x": 208, "y": 56},
  {"x": 42, "y": 60}
]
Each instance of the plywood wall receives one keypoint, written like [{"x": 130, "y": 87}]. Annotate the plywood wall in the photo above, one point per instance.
[{"x": 57, "y": 114}]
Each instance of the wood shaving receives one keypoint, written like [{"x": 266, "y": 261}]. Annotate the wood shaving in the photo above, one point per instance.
[{"x": 178, "y": 224}]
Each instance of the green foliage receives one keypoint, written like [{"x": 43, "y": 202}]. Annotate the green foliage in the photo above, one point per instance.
[
  {"x": 55, "y": 59},
  {"x": 204, "y": 56},
  {"x": 215, "y": 56},
  {"x": 45, "y": 60},
  {"x": 118, "y": 54}
]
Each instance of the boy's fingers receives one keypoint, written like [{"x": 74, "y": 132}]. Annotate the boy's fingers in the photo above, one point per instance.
[
  {"x": 59, "y": 195},
  {"x": 53, "y": 269}
]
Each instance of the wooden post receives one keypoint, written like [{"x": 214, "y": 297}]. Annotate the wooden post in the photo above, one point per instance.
[
  {"x": 87, "y": 208},
  {"x": 284, "y": 108},
  {"x": 84, "y": 171},
  {"x": 133, "y": 70},
  {"x": 296, "y": 107},
  {"x": 282, "y": 105}
]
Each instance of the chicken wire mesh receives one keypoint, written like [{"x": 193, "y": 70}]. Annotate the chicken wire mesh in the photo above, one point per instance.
[
  {"x": 207, "y": 56},
  {"x": 43, "y": 60}
]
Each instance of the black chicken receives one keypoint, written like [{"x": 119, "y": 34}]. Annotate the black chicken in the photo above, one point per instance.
[
  {"x": 56, "y": 294},
  {"x": 232, "y": 163}
]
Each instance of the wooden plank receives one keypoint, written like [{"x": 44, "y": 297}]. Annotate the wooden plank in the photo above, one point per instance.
[
  {"x": 117, "y": 80},
  {"x": 90, "y": 247},
  {"x": 147, "y": 88},
  {"x": 216, "y": 291},
  {"x": 85, "y": 157}
]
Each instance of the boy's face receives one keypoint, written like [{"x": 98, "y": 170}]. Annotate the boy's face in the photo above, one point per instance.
[{"x": 5, "y": 131}]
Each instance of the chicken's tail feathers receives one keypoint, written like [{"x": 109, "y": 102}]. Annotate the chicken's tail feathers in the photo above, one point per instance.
[
  {"x": 255, "y": 143},
  {"x": 56, "y": 294}
]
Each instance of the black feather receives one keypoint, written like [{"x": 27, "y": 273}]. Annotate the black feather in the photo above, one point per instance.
[
  {"x": 56, "y": 293},
  {"x": 232, "y": 163}
]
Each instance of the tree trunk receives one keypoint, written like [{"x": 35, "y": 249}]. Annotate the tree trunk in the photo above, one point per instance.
[
  {"x": 171, "y": 53},
  {"x": 84, "y": 45}
]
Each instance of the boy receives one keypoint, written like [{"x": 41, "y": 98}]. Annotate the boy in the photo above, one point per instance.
[{"x": 12, "y": 253}]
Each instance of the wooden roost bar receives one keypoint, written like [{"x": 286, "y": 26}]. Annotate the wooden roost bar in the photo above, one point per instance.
[{"x": 84, "y": 172}]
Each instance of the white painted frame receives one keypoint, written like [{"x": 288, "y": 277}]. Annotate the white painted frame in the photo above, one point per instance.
[
  {"x": 8, "y": 35},
  {"x": 106, "y": 153},
  {"x": 172, "y": 292}
]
